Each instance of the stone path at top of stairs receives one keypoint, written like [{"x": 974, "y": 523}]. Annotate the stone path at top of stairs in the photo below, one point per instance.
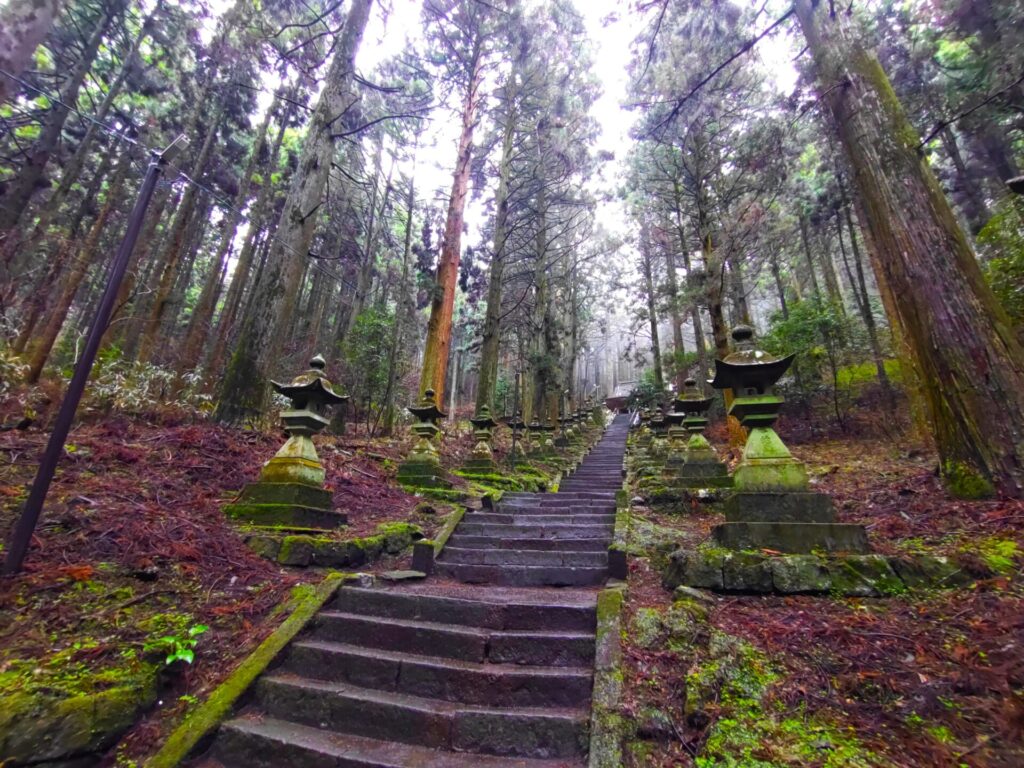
[
  {"x": 545, "y": 539},
  {"x": 442, "y": 674}
]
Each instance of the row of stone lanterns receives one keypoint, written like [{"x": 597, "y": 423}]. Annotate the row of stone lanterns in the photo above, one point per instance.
[{"x": 771, "y": 505}]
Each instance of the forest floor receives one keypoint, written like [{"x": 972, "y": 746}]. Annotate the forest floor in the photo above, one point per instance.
[
  {"x": 922, "y": 679},
  {"x": 133, "y": 552}
]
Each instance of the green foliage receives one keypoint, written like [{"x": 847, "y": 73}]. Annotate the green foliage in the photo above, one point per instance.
[
  {"x": 858, "y": 374},
  {"x": 813, "y": 328},
  {"x": 177, "y": 647},
  {"x": 12, "y": 369},
  {"x": 366, "y": 351},
  {"x": 139, "y": 388},
  {"x": 646, "y": 393},
  {"x": 1003, "y": 238}
]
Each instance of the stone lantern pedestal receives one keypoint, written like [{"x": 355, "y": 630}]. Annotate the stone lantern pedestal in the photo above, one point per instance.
[
  {"x": 520, "y": 442},
  {"x": 692, "y": 462},
  {"x": 772, "y": 507},
  {"x": 290, "y": 492},
  {"x": 481, "y": 462},
  {"x": 538, "y": 447},
  {"x": 422, "y": 468}
]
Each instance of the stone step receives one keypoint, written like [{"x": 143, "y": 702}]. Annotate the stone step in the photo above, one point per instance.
[
  {"x": 263, "y": 742},
  {"x": 598, "y": 543},
  {"x": 507, "y": 612},
  {"x": 583, "y": 494},
  {"x": 498, "y": 685},
  {"x": 568, "y": 558},
  {"x": 532, "y": 531},
  {"x": 524, "y": 575},
  {"x": 426, "y": 638},
  {"x": 540, "y": 517},
  {"x": 560, "y": 500},
  {"x": 553, "y": 509},
  {"x": 519, "y": 732}
]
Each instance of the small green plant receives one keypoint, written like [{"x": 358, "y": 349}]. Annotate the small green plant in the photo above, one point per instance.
[{"x": 177, "y": 647}]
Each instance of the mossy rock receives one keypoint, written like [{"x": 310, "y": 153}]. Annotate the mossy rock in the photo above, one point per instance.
[
  {"x": 35, "y": 728},
  {"x": 694, "y": 568},
  {"x": 864, "y": 576},
  {"x": 747, "y": 572},
  {"x": 645, "y": 628},
  {"x": 930, "y": 572},
  {"x": 800, "y": 574},
  {"x": 965, "y": 482}
]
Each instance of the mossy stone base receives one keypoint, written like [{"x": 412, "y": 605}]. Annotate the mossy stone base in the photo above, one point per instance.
[
  {"x": 847, "y": 575},
  {"x": 480, "y": 466},
  {"x": 285, "y": 516},
  {"x": 422, "y": 473},
  {"x": 292, "y": 505},
  {"x": 789, "y": 537},
  {"x": 789, "y": 506}
]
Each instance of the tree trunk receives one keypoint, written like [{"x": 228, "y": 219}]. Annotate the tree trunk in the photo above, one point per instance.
[
  {"x": 174, "y": 248},
  {"x": 21, "y": 188},
  {"x": 24, "y": 24},
  {"x": 809, "y": 257},
  {"x": 966, "y": 190},
  {"x": 442, "y": 305},
  {"x": 401, "y": 300},
  {"x": 491, "y": 333},
  {"x": 41, "y": 292},
  {"x": 202, "y": 315},
  {"x": 677, "y": 319},
  {"x": 652, "y": 312},
  {"x": 73, "y": 280},
  {"x": 959, "y": 336},
  {"x": 243, "y": 391},
  {"x": 240, "y": 278}
]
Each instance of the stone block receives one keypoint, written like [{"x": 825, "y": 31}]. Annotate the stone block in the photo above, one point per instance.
[
  {"x": 794, "y": 538},
  {"x": 746, "y": 572},
  {"x": 264, "y": 546},
  {"x": 765, "y": 506},
  {"x": 799, "y": 574},
  {"x": 929, "y": 572},
  {"x": 422, "y": 474},
  {"x": 296, "y": 550},
  {"x": 695, "y": 568},
  {"x": 286, "y": 493},
  {"x": 864, "y": 576}
]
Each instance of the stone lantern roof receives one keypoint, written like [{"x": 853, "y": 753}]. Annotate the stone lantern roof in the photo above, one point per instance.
[{"x": 748, "y": 370}]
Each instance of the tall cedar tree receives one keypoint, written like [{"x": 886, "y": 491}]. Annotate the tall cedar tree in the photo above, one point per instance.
[
  {"x": 244, "y": 389},
  {"x": 971, "y": 364}
]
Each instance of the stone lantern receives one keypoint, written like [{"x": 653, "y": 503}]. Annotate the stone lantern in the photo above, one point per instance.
[
  {"x": 535, "y": 430},
  {"x": 692, "y": 462},
  {"x": 520, "y": 445},
  {"x": 482, "y": 459},
  {"x": 422, "y": 468},
  {"x": 772, "y": 507},
  {"x": 290, "y": 491}
]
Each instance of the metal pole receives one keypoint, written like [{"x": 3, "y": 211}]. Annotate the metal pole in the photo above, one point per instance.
[{"x": 26, "y": 526}]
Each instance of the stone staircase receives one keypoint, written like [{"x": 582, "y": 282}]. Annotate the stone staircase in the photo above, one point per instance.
[
  {"x": 545, "y": 539},
  {"x": 450, "y": 674}
]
